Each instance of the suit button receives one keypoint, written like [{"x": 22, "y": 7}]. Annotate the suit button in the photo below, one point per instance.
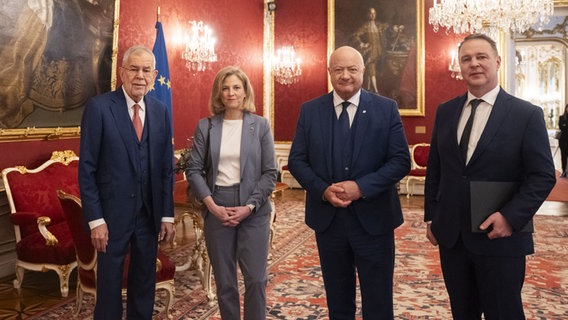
[{"x": 132, "y": 195}]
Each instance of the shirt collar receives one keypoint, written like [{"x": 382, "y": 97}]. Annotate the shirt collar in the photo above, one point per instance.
[
  {"x": 337, "y": 100},
  {"x": 130, "y": 102},
  {"x": 489, "y": 97}
]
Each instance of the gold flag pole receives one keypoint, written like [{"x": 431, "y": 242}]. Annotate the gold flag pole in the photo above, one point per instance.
[{"x": 158, "y": 12}]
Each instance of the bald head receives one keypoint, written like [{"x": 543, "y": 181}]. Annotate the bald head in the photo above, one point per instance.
[
  {"x": 346, "y": 53},
  {"x": 346, "y": 70}
]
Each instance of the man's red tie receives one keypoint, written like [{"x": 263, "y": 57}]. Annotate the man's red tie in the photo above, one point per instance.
[{"x": 137, "y": 122}]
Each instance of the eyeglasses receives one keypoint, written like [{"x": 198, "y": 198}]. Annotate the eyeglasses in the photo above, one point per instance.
[
  {"x": 146, "y": 72},
  {"x": 340, "y": 70}
]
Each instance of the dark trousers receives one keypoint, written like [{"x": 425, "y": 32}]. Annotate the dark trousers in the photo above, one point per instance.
[
  {"x": 141, "y": 241},
  {"x": 347, "y": 250},
  {"x": 564, "y": 153},
  {"x": 480, "y": 284}
]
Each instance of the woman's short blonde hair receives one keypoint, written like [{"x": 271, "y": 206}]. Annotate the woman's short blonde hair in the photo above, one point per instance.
[{"x": 216, "y": 105}]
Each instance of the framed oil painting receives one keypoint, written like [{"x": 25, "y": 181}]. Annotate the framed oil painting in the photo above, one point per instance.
[
  {"x": 390, "y": 36},
  {"x": 54, "y": 55}
]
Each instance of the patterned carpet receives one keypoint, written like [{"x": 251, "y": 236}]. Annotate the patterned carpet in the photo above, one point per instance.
[
  {"x": 560, "y": 190},
  {"x": 295, "y": 289}
]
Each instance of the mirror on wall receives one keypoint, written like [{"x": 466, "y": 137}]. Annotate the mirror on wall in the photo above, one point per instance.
[{"x": 540, "y": 67}]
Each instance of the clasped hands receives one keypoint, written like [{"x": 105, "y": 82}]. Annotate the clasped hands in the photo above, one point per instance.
[
  {"x": 230, "y": 216},
  {"x": 341, "y": 194}
]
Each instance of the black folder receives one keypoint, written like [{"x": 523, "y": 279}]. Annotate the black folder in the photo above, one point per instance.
[{"x": 488, "y": 197}]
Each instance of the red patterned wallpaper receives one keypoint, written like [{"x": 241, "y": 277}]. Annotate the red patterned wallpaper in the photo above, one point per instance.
[
  {"x": 306, "y": 30},
  {"x": 238, "y": 26},
  {"x": 438, "y": 86}
]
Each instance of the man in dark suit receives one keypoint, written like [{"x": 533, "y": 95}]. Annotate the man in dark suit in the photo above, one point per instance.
[
  {"x": 349, "y": 151},
  {"x": 126, "y": 182},
  {"x": 508, "y": 141}
]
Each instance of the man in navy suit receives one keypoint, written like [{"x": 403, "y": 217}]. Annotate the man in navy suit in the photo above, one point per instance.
[
  {"x": 126, "y": 181},
  {"x": 508, "y": 142},
  {"x": 349, "y": 152}
]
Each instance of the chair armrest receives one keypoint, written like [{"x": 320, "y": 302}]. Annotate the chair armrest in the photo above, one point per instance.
[
  {"x": 24, "y": 218},
  {"x": 31, "y": 218}
]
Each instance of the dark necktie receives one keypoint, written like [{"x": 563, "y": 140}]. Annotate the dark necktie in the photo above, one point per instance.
[
  {"x": 137, "y": 122},
  {"x": 344, "y": 117},
  {"x": 341, "y": 147},
  {"x": 464, "y": 141}
]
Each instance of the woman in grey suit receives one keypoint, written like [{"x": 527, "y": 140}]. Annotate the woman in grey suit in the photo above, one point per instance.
[{"x": 235, "y": 149}]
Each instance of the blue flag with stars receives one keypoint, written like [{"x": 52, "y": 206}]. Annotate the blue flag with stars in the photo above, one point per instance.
[{"x": 162, "y": 86}]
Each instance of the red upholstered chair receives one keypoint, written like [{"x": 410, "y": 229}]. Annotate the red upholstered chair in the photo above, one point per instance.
[
  {"x": 87, "y": 257},
  {"x": 419, "y": 161},
  {"x": 43, "y": 239},
  {"x": 285, "y": 174}
]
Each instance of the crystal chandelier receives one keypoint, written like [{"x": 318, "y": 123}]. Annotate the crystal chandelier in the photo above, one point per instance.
[
  {"x": 454, "y": 67},
  {"x": 199, "y": 50},
  {"x": 471, "y": 16},
  {"x": 286, "y": 67}
]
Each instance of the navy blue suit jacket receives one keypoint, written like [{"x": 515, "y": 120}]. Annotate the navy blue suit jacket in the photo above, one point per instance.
[
  {"x": 513, "y": 147},
  {"x": 108, "y": 173},
  {"x": 380, "y": 159}
]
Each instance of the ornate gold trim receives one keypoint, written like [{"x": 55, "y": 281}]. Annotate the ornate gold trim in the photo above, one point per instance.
[
  {"x": 268, "y": 83},
  {"x": 420, "y": 70},
  {"x": 544, "y": 39},
  {"x": 64, "y": 157},
  {"x": 33, "y": 133}
]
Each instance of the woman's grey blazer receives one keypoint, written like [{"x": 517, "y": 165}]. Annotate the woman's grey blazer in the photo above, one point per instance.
[{"x": 258, "y": 165}]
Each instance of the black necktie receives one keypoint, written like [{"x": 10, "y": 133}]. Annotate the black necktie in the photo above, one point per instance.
[
  {"x": 341, "y": 147},
  {"x": 464, "y": 141},
  {"x": 344, "y": 117}
]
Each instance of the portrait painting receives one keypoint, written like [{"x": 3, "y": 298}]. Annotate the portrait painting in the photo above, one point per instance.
[
  {"x": 54, "y": 55},
  {"x": 389, "y": 36}
]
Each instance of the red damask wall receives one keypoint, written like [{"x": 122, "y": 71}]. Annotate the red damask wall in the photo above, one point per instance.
[
  {"x": 238, "y": 26},
  {"x": 306, "y": 30},
  {"x": 302, "y": 24}
]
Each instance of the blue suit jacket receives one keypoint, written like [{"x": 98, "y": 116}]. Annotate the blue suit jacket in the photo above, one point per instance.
[
  {"x": 257, "y": 164},
  {"x": 513, "y": 147},
  {"x": 380, "y": 159},
  {"x": 108, "y": 173}
]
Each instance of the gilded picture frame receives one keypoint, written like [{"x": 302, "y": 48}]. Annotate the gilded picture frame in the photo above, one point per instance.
[
  {"x": 54, "y": 55},
  {"x": 390, "y": 36}
]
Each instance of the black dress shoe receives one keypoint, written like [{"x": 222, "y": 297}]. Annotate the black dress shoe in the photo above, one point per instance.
[{"x": 563, "y": 175}]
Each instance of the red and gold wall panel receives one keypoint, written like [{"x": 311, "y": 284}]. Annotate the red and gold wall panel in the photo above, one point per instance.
[{"x": 238, "y": 26}]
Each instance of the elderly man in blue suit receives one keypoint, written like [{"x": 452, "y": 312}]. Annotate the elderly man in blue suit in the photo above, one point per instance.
[
  {"x": 505, "y": 141},
  {"x": 126, "y": 182},
  {"x": 349, "y": 152}
]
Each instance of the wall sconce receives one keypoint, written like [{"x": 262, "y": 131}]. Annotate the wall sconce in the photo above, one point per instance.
[
  {"x": 454, "y": 67},
  {"x": 199, "y": 50},
  {"x": 286, "y": 67}
]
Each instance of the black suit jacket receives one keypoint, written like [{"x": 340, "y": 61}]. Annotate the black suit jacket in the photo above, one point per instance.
[{"x": 513, "y": 147}]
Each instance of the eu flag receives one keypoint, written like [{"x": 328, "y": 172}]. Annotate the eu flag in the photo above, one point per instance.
[{"x": 162, "y": 85}]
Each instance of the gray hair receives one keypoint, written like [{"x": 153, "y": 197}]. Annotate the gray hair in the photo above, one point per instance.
[{"x": 137, "y": 50}]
